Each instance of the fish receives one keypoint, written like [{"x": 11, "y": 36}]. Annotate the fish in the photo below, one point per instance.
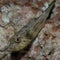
[
  {"x": 29, "y": 32},
  {"x": 21, "y": 39}
]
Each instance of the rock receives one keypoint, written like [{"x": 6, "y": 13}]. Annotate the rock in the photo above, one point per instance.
[{"x": 3, "y": 40}]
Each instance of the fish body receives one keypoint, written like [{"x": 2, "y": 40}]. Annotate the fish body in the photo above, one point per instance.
[{"x": 29, "y": 32}]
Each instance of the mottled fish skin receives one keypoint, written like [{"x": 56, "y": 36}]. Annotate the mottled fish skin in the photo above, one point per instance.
[{"x": 29, "y": 32}]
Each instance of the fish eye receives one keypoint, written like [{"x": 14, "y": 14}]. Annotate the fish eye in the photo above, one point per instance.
[{"x": 17, "y": 40}]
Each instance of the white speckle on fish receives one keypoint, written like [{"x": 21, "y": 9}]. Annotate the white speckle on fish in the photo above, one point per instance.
[{"x": 46, "y": 5}]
